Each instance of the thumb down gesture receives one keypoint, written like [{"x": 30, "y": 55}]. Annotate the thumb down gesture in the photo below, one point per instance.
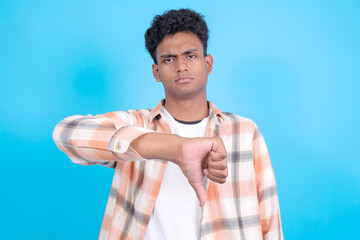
[{"x": 201, "y": 157}]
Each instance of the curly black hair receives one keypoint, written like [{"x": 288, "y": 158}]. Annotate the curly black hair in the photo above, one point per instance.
[{"x": 171, "y": 22}]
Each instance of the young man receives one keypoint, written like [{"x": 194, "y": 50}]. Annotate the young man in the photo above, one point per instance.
[{"x": 183, "y": 170}]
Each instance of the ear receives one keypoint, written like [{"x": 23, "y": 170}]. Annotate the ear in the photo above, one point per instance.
[
  {"x": 209, "y": 63},
  {"x": 156, "y": 73}
]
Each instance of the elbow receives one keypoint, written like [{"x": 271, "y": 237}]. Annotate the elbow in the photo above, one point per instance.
[{"x": 62, "y": 131}]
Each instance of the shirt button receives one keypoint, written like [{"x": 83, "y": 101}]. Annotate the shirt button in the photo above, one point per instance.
[{"x": 117, "y": 146}]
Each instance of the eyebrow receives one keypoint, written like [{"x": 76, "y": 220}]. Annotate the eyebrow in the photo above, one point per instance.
[
  {"x": 173, "y": 55},
  {"x": 190, "y": 51}
]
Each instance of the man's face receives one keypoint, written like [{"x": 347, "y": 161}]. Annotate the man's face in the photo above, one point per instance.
[{"x": 182, "y": 67}]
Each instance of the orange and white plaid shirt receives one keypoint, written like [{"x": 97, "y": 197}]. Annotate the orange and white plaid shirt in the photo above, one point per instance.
[{"x": 246, "y": 206}]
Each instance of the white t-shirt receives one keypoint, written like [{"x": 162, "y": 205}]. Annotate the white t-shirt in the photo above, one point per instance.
[{"x": 176, "y": 215}]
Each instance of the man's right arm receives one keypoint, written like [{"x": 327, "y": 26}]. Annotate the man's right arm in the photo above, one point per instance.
[
  {"x": 101, "y": 139},
  {"x": 104, "y": 139},
  {"x": 196, "y": 157}
]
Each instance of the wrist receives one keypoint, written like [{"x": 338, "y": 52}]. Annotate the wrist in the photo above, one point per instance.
[
  {"x": 159, "y": 146},
  {"x": 177, "y": 149}
]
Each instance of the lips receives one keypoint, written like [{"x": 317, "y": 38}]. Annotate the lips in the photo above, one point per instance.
[{"x": 182, "y": 80}]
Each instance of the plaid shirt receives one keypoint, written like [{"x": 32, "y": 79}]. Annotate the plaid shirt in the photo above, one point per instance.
[{"x": 244, "y": 207}]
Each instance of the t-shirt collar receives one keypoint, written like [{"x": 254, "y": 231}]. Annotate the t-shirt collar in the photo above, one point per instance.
[{"x": 214, "y": 111}]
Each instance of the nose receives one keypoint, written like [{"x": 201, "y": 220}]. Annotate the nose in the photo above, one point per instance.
[{"x": 181, "y": 65}]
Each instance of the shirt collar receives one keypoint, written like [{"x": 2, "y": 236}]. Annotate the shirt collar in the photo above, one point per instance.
[{"x": 214, "y": 111}]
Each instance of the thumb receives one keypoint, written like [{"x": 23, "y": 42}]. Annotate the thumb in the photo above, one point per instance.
[{"x": 200, "y": 192}]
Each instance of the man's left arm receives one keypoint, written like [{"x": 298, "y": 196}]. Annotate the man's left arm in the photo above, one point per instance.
[{"x": 266, "y": 189}]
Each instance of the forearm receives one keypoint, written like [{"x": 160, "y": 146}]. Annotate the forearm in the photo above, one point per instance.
[
  {"x": 266, "y": 186},
  {"x": 192, "y": 155},
  {"x": 89, "y": 140},
  {"x": 159, "y": 146}
]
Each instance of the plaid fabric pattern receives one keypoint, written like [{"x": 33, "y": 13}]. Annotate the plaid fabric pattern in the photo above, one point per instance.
[{"x": 245, "y": 207}]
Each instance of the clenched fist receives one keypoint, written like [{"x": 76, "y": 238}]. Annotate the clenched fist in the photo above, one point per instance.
[
  {"x": 196, "y": 157},
  {"x": 201, "y": 157}
]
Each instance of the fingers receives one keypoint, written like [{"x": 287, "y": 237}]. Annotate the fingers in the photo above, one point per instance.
[
  {"x": 205, "y": 172},
  {"x": 216, "y": 179},
  {"x": 218, "y": 173},
  {"x": 218, "y": 155},
  {"x": 206, "y": 158},
  {"x": 216, "y": 163},
  {"x": 217, "y": 167},
  {"x": 200, "y": 192}
]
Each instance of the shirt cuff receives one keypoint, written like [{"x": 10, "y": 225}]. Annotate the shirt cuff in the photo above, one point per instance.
[{"x": 120, "y": 142}]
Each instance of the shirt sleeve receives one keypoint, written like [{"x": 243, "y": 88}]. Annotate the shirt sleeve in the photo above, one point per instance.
[
  {"x": 266, "y": 189},
  {"x": 102, "y": 139}
]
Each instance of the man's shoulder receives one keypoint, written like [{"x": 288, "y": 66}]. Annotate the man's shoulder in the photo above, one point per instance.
[
  {"x": 131, "y": 112},
  {"x": 131, "y": 116},
  {"x": 238, "y": 123},
  {"x": 234, "y": 118}
]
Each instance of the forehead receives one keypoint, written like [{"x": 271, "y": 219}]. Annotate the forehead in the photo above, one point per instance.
[{"x": 179, "y": 43}]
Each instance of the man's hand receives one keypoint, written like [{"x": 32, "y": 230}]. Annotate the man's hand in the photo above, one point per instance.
[
  {"x": 203, "y": 156},
  {"x": 196, "y": 157}
]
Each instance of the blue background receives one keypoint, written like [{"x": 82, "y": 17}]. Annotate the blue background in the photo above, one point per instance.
[{"x": 291, "y": 67}]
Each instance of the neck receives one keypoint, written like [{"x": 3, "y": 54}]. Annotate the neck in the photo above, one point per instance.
[{"x": 188, "y": 109}]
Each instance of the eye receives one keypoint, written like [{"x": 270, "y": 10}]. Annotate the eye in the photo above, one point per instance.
[
  {"x": 191, "y": 56},
  {"x": 168, "y": 60}
]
